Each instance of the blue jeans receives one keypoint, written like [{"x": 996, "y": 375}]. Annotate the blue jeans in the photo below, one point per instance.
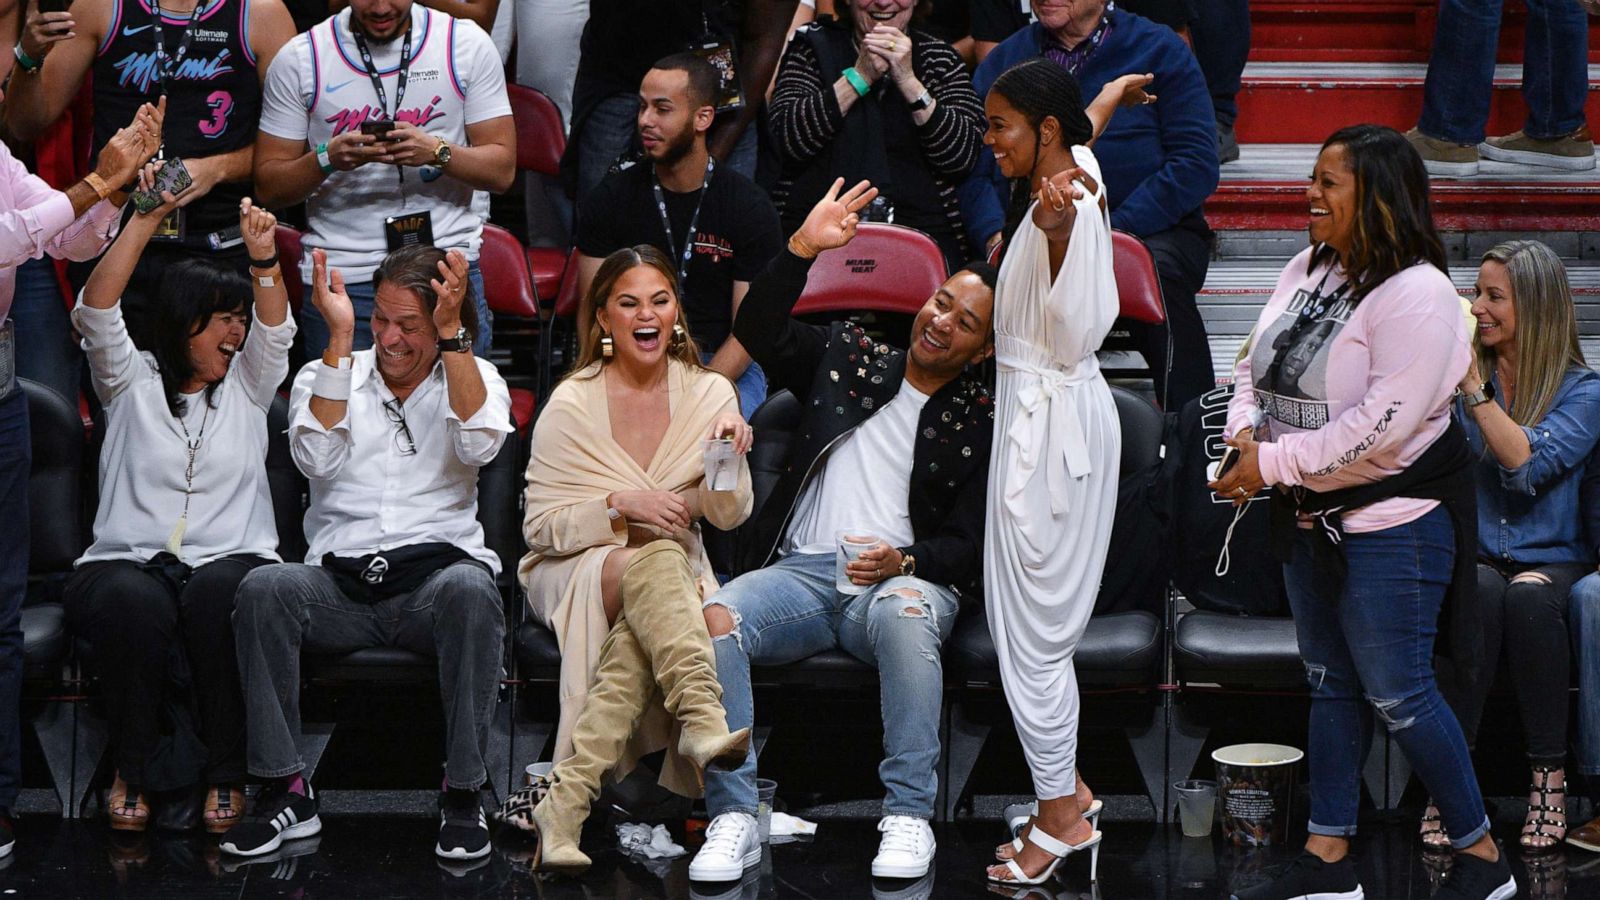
[
  {"x": 314, "y": 329},
  {"x": 46, "y": 352},
  {"x": 16, "y": 459},
  {"x": 1367, "y": 638},
  {"x": 1584, "y": 622},
  {"x": 789, "y": 611},
  {"x": 1555, "y": 73},
  {"x": 752, "y": 386}
]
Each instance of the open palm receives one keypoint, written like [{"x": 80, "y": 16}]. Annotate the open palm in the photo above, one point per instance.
[{"x": 832, "y": 222}]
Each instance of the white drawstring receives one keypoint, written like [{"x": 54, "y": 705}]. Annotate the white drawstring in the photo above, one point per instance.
[{"x": 1225, "y": 558}]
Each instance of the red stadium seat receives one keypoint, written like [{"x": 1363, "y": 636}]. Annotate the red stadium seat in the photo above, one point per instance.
[
  {"x": 886, "y": 268},
  {"x": 541, "y": 140},
  {"x": 506, "y": 282},
  {"x": 290, "y": 253},
  {"x": 1138, "y": 287},
  {"x": 567, "y": 297}
]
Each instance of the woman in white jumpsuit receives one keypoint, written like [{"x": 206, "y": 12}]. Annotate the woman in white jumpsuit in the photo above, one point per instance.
[{"x": 1053, "y": 479}]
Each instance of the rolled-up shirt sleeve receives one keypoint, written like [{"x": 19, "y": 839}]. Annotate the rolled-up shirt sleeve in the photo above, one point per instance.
[
  {"x": 36, "y": 219},
  {"x": 318, "y": 452},
  {"x": 1561, "y": 441},
  {"x": 477, "y": 440}
]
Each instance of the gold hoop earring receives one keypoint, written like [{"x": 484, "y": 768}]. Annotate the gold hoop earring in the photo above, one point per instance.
[
  {"x": 679, "y": 338},
  {"x": 608, "y": 347}
]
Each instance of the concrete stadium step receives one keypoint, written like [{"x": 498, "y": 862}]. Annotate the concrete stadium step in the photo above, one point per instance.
[
  {"x": 1302, "y": 102},
  {"x": 1265, "y": 189},
  {"x": 1369, "y": 30}
]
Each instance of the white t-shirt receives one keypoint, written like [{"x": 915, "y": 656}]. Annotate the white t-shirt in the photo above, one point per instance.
[
  {"x": 318, "y": 88},
  {"x": 865, "y": 485},
  {"x": 145, "y": 455}
]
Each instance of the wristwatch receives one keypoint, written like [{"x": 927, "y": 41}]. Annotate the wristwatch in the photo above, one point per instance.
[
  {"x": 441, "y": 154},
  {"x": 908, "y": 564},
  {"x": 923, "y": 101},
  {"x": 1479, "y": 397},
  {"x": 460, "y": 343}
]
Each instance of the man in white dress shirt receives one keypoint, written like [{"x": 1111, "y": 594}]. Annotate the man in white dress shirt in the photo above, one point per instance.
[{"x": 391, "y": 439}]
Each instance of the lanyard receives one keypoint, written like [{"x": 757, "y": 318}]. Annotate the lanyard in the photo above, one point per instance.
[
  {"x": 164, "y": 68},
  {"x": 688, "y": 237},
  {"x": 372, "y": 72}
]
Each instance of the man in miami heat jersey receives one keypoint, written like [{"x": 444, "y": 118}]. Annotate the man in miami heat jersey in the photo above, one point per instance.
[{"x": 391, "y": 121}]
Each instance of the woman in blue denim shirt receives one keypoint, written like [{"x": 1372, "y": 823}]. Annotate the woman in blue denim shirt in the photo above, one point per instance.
[{"x": 1532, "y": 423}]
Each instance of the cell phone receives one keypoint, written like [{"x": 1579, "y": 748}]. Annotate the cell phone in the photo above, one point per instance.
[
  {"x": 378, "y": 128},
  {"x": 173, "y": 177},
  {"x": 1230, "y": 456},
  {"x": 46, "y": 6}
]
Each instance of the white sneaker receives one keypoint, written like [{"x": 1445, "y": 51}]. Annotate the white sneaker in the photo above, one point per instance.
[
  {"x": 733, "y": 844},
  {"x": 906, "y": 849}
]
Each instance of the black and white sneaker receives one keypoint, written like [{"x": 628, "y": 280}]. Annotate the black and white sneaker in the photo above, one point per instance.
[
  {"x": 8, "y": 837},
  {"x": 277, "y": 815},
  {"x": 1309, "y": 878},
  {"x": 1471, "y": 878},
  {"x": 463, "y": 829}
]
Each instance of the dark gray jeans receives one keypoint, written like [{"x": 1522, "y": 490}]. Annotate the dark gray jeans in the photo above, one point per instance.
[{"x": 456, "y": 616}]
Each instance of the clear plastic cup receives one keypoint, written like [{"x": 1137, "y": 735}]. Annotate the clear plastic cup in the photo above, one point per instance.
[
  {"x": 539, "y": 772},
  {"x": 851, "y": 545},
  {"x": 1197, "y": 806},
  {"x": 722, "y": 465},
  {"x": 766, "y": 791}
]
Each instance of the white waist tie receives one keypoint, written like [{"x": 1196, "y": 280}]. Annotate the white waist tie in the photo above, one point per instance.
[{"x": 1048, "y": 419}]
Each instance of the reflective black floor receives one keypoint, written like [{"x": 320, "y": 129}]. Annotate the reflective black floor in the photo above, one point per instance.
[{"x": 361, "y": 856}]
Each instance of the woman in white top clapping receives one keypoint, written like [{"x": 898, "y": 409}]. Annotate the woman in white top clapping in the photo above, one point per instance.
[{"x": 184, "y": 513}]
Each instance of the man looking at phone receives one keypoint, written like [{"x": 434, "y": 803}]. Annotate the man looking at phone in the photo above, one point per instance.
[
  {"x": 391, "y": 121},
  {"x": 892, "y": 456},
  {"x": 206, "y": 57}
]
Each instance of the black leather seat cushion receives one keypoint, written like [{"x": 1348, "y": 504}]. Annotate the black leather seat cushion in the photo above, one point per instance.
[
  {"x": 390, "y": 664},
  {"x": 1238, "y": 651},
  {"x": 44, "y": 638},
  {"x": 1117, "y": 649}
]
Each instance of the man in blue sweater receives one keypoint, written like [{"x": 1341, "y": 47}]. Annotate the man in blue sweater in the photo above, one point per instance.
[
  {"x": 1584, "y": 625},
  {"x": 1159, "y": 162}
]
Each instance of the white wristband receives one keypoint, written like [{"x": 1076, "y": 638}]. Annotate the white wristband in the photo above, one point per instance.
[{"x": 333, "y": 383}]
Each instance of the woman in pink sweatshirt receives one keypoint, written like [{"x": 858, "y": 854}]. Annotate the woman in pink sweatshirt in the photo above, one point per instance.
[{"x": 1342, "y": 403}]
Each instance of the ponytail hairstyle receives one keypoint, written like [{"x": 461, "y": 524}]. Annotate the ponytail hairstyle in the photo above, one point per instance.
[
  {"x": 1040, "y": 89},
  {"x": 1394, "y": 227}
]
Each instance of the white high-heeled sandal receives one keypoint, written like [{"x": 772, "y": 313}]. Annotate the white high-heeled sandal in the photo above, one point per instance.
[
  {"x": 1018, "y": 815},
  {"x": 1056, "y": 848}
]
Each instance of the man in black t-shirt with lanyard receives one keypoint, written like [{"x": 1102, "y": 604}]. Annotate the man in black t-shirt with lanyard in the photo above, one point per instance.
[
  {"x": 207, "y": 57},
  {"x": 718, "y": 228}
]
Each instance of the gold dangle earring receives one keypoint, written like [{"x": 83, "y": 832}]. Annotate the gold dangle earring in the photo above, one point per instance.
[
  {"x": 608, "y": 347},
  {"x": 679, "y": 338}
]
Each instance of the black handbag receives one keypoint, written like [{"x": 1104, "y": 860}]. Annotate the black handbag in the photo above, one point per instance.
[{"x": 389, "y": 573}]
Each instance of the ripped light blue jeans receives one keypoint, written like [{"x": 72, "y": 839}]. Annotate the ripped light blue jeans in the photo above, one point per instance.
[
  {"x": 789, "y": 611},
  {"x": 1366, "y": 637}
]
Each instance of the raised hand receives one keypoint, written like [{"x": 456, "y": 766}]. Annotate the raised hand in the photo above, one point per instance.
[
  {"x": 893, "y": 48},
  {"x": 450, "y": 288},
  {"x": 131, "y": 146},
  {"x": 832, "y": 222},
  {"x": 328, "y": 293},
  {"x": 259, "y": 228},
  {"x": 869, "y": 64},
  {"x": 43, "y": 31},
  {"x": 1055, "y": 212}
]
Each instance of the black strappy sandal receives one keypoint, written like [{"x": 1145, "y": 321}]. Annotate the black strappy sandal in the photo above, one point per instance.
[
  {"x": 1433, "y": 835},
  {"x": 1539, "y": 825}
]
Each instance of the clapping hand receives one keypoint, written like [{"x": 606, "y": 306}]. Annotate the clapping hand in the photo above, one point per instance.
[
  {"x": 131, "y": 146},
  {"x": 328, "y": 293},
  {"x": 893, "y": 48},
  {"x": 451, "y": 289},
  {"x": 259, "y": 228},
  {"x": 832, "y": 222}
]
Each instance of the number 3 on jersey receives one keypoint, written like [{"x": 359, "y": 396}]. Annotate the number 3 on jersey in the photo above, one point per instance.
[{"x": 221, "y": 103}]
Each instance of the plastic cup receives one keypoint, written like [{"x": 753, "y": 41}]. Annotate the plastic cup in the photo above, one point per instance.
[
  {"x": 1197, "y": 806},
  {"x": 851, "y": 545},
  {"x": 766, "y": 791},
  {"x": 539, "y": 772},
  {"x": 722, "y": 465}
]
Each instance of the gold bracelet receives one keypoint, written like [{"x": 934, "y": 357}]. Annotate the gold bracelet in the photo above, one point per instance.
[
  {"x": 97, "y": 184},
  {"x": 801, "y": 248}
]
